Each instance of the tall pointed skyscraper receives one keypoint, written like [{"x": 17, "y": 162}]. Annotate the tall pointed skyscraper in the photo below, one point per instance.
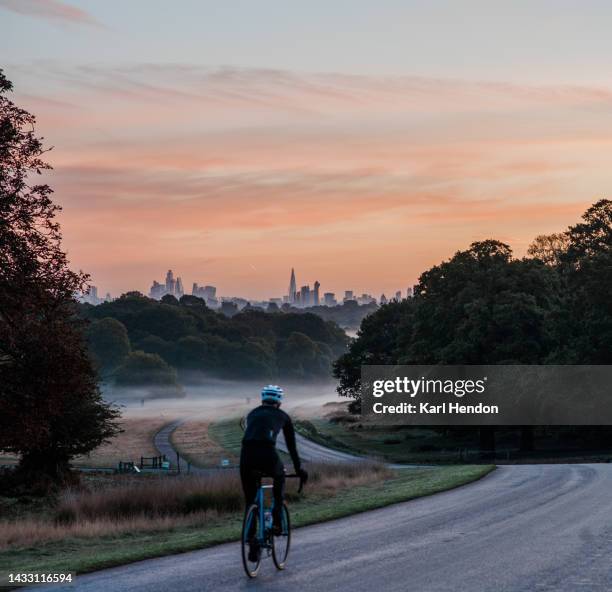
[{"x": 292, "y": 287}]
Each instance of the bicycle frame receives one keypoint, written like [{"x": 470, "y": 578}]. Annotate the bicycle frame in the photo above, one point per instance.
[
  {"x": 261, "y": 505},
  {"x": 263, "y": 534},
  {"x": 259, "y": 501}
]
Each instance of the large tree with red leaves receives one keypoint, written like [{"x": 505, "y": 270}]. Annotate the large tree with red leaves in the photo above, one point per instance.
[{"x": 50, "y": 405}]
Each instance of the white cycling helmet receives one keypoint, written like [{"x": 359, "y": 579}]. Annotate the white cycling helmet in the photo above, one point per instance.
[{"x": 273, "y": 393}]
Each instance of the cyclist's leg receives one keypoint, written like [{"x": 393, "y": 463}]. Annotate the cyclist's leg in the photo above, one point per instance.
[
  {"x": 278, "y": 490},
  {"x": 249, "y": 484}
]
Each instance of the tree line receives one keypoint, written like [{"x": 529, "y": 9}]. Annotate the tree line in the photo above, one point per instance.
[
  {"x": 485, "y": 306},
  {"x": 136, "y": 340}
]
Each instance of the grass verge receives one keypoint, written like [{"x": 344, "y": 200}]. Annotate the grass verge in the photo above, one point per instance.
[
  {"x": 87, "y": 554},
  {"x": 227, "y": 434},
  {"x": 193, "y": 441},
  {"x": 387, "y": 443}
]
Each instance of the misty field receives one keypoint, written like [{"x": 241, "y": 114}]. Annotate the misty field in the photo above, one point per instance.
[{"x": 134, "y": 441}]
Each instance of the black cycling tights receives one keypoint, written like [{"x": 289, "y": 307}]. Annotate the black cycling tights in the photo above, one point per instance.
[{"x": 264, "y": 459}]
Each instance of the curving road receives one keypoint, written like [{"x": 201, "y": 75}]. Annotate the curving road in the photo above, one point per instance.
[
  {"x": 308, "y": 450},
  {"x": 521, "y": 529}
]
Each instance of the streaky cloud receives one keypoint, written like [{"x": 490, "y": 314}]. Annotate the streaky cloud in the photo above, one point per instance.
[{"x": 53, "y": 10}]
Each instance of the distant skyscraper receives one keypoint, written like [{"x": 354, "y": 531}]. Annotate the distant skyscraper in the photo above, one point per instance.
[
  {"x": 348, "y": 295},
  {"x": 210, "y": 292},
  {"x": 179, "y": 287},
  {"x": 329, "y": 299},
  {"x": 317, "y": 285},
  {"x": 305, "y": 296},
  {"x": 170, "y": 283},
  {"x": 383, "y": 299},
  {"x": 157, "y": 290},
  {"x": 292, "y": 286},
  {"x": 398, "y": 295},
  {"x": 365, "y": 299},
  {"x": 91, "y": 296}
]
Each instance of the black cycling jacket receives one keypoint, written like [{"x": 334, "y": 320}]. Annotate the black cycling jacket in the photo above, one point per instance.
[{"x": 263, "y": 425}]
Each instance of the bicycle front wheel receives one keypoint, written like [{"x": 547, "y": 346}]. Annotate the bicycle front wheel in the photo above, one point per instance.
[
  {"x": 282, "y": 542},
  {"x": 251, "y": 552}
]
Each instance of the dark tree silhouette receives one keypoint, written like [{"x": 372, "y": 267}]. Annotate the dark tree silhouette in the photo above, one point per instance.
[
  {"x": 484, "y": 307},
  {"x": 50, "y": 405}
]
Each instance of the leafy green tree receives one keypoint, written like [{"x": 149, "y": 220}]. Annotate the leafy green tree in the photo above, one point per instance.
[
  {"x": 592, "y": 236},
  {"x": 480, "y": 307},
  {"x": 193, "y": 301},
  {"x": 550, "y": 248},
  {"x": 152, "y": 344},
  {"x": 587, "y": 271},
  {"x": 376, "y": 344},
  {"x": 192, "y": 353},
  {"x": 192, "y": 337},
  {"x": 170, "y": 299},
  {"x": 50, "y": 405},
  {"x": 300, "y": 356},
  {"x": 142, "y": 369},
  {"x": 108, "y": 343}
]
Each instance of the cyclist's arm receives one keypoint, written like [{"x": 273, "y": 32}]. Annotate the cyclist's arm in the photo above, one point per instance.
[{"x": 289, "y": 434}]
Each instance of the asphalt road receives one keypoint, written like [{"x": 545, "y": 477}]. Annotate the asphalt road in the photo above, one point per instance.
[
  {"x": 311, "y": 451},
  {"x": 530, "y": 528},
  {"x": 307, "y": 449}
]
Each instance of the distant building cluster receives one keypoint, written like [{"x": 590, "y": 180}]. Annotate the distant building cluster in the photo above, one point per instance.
[
  {"x": 91, "y": 297},
  {"x": 172, "y": 287},
  {"x": 304, "y": 297},
  {"x": 207, "y": 293}
]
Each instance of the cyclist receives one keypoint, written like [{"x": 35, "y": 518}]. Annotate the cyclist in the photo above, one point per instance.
[{"x": 259, "y": 454}]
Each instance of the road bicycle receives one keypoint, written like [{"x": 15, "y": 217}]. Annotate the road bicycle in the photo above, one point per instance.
[{"x": 257, "y": 528}]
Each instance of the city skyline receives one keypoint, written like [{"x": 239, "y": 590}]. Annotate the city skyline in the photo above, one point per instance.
[
  {"x": 303, "y": 297},
  {"x": 362, "y": 157},
  {"x": 203, "y": 286}
]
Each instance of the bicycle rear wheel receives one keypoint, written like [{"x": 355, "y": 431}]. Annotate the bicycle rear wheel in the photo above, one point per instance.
[
  {"x": 250, "y": 531},
  {"x": 282, "y": 542}
]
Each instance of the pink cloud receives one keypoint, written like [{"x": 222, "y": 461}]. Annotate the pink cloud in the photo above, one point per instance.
[
  {"x": 50, "y": 9},
  {"x": 206, "y": 170}
]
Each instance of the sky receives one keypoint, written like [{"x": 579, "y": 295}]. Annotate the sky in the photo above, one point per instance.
[{"x": 359, "y": 142}]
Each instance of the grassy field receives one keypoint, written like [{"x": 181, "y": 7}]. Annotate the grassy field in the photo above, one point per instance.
[
  {"x": 417, "y": 445},
  {"x": 135, "y": 441},
  {"x": 202, "y": 443},
  {"x": 85, "y": 548},
  {"x": 227, "y": 434},
  {"x": 423, "y": 445}
]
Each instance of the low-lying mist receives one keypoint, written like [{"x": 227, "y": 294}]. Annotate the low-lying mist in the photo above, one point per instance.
[{"x": 212, "y": 397}]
